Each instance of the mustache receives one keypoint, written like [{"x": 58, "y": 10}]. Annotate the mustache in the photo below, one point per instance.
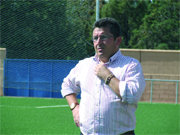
[{"x": 101, "y": 46}]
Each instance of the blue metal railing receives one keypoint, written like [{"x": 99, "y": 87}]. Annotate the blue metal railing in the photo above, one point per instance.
[{"x": 162, "y": 80}]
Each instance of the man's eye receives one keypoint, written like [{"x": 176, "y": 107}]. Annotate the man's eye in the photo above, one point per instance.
[
  {"x": 103, "y": 37},
  {"x": 95, "y": 38}
]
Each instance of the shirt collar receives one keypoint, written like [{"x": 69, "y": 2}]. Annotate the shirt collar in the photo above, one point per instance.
[{"x": 112, "y": 58}]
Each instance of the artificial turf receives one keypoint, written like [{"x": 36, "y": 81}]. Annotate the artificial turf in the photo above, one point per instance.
[
  {"x": 158, "y": 119},
  {"x": 43, "y": 116}
]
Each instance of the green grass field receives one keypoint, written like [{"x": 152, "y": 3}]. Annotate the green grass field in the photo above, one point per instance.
[{"x": 42, "y": 116}]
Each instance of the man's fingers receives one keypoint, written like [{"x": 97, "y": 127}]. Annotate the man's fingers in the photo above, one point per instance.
[
  {"x": 77, "y": 124},
  {"x": 101, "y": 62},
  {"x": 76, "y": 115},
  {"x": 76, "y": 121}
]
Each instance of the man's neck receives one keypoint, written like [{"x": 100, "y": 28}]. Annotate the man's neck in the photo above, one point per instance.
[{"x": 103, "y": 59}]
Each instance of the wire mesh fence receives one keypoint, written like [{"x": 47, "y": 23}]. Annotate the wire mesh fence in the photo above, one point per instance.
[{"x": 43, "y": 29}]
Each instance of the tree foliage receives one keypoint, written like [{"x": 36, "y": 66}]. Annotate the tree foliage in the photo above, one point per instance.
[
  {"x": 129, "y": 13},
  {"x": 45, "y": 29},
  {"x": 146, "y": 24},
  {"x": 160, "y": 28},
  {"x": 62, "y": 29}
]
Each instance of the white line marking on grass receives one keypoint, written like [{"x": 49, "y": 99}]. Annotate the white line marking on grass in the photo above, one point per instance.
[
  {"x": 52, "y": 106},
  {"x": 14, "y": 106}
]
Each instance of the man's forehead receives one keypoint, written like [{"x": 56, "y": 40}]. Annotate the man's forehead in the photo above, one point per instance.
[{"x": 101, "y": 30}]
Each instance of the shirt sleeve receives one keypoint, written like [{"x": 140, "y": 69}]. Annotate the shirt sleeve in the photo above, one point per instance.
[
  {"x": 70, "y": 83},
  {"x": 132, "y": 87}
]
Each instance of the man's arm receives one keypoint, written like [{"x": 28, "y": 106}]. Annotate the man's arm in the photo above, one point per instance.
[
  {"x": 114, "y": 85},
  {"x": 72, "y": 100},
  {"x": 102, "y": 72},
  {"x": 130, "y": 89},
  {"x": 70, "y": 89}
]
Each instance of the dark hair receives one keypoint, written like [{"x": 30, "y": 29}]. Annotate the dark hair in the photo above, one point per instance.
[{"x": 110, "y": 23}]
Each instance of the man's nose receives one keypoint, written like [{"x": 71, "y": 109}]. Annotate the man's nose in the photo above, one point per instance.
[{"x": 99, "y": 40}]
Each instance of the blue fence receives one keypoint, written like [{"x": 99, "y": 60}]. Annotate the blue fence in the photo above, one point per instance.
[
  {"x": 43, "y": 78},
  {"x": 35, "y": 78}
]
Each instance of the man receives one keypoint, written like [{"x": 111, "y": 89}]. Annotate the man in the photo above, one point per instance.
[{"x": 111, "y": 84}]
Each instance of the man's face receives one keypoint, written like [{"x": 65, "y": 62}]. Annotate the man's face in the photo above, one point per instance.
[{"x": 104, "y": 43}]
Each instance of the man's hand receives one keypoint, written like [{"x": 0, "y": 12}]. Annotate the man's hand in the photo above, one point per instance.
[
  {"x": 101, "y": 71},
  {"x": 75, "y": 112}
]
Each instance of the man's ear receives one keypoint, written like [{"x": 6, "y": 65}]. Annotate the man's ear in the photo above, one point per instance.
[{"x": 118, "y": 41}]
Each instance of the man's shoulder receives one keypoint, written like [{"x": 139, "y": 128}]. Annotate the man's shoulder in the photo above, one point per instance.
[
  {"x": 88, "y": 59},
  {"x": 129, "y": 59}
]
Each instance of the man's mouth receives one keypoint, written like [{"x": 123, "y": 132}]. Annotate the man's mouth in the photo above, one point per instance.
[{"x": 100, "y": 49}]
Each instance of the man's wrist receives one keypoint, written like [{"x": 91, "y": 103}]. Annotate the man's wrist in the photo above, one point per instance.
[
  {"x": 73, "y": 105},
  {"x": 108, "y": 79}
]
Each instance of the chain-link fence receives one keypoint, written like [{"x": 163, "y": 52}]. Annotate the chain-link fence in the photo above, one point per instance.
[{"x": 44, "y": 29}]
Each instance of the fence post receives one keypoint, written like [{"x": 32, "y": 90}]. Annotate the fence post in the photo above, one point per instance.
[
  {"x": 51, "y": 83},
  {"x": 97, "y": 10},
  {"x": 151, "y": 91},
  {"x": 29, "y": 92},
  {"x": 177, "y": 92},
  {"x": 2, "y": 70}
]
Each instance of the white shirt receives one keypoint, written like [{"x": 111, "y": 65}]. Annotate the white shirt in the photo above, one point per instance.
[{"x": 102, "y": 112}]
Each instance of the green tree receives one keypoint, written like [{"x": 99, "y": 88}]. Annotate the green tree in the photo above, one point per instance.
[
  {"x": 160, "y": 28},
  {"x": 129, "y": 13}
]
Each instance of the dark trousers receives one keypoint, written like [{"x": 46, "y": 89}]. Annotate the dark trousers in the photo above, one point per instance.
[{"x": 127, "y": 133}]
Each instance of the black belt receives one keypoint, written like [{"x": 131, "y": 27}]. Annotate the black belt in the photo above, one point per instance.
[{"x": 129, "y": 133}]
